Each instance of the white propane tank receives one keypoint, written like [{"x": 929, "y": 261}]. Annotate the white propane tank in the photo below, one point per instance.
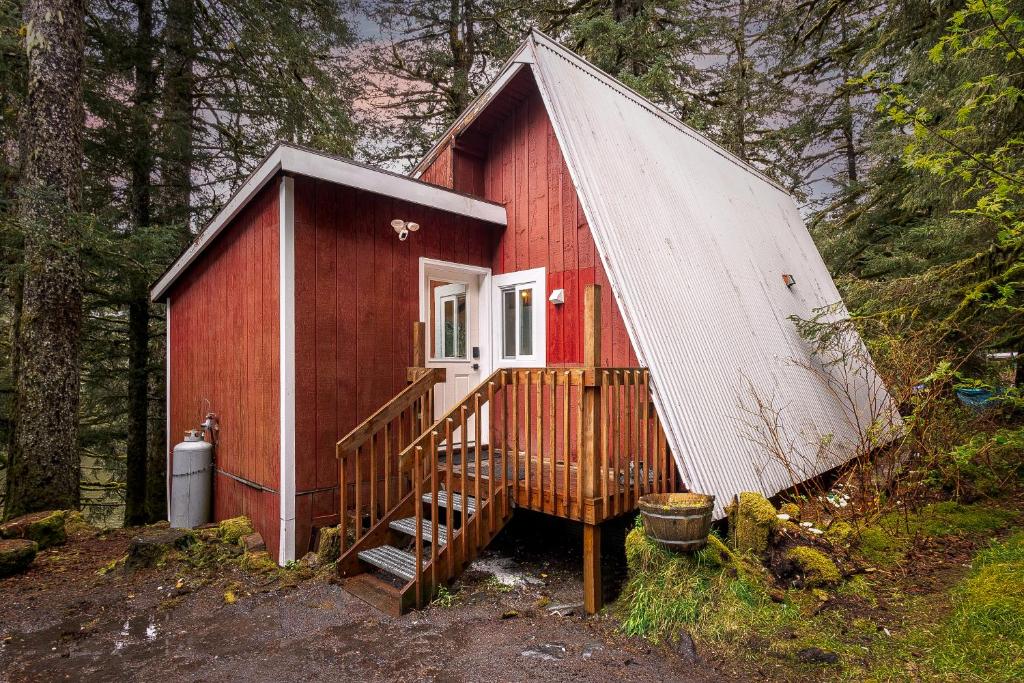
[{"x": 190, "y": 482}]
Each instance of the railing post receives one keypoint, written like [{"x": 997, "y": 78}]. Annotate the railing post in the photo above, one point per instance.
[
  {"x": 592, "y": 426},
  {"x": 419, "y": 345}
]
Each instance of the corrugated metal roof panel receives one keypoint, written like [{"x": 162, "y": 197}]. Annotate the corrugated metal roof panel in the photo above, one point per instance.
[{"x": 695, "y": 244}]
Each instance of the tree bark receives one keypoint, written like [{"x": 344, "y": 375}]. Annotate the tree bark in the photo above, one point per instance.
[
  {"x": 175, "y": 212},
  {"x": 46, "y": 469},
  {"x": 140, "y": 199}
]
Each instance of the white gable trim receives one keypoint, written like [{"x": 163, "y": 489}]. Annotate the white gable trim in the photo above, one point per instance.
[{"x": 300, "y": 161}]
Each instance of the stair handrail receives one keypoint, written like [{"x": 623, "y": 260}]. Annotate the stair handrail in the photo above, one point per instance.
[
  {"x": 389, "y": 411},
  {"x": 404, "y": 455},
  {"x": 417, "y": 398}
]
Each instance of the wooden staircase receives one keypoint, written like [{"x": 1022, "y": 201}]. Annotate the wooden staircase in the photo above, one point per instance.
[
  {"x": 446, "y": 487},
  {"x": 421, "y": 498}
]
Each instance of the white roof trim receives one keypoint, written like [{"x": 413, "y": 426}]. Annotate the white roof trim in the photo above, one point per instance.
[{"x": 300, "y": 161}]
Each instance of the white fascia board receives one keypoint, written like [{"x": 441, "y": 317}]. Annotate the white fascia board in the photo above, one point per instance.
[
  {"x": 289, "y": 159},
  {"x": 286, "y": 341}
]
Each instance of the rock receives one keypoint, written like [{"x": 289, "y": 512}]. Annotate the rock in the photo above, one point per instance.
[
  {"x": 329, "y": 546},
  {"x": 751, "y": 521},
  {"x": 509, "y": 614},
  {"x": 817, "y": 568},
  {"x": 686, "y": 648},
  {"x": 45, "y": 528},
  {"x": 839, "y": 533},
  {"x": 311, "y": 560},
  {"x": 815, "y": 655},
  {"x": 253, "y": 542},
  {"x": 718, "y": 552},
  {"x": 566, "y": 610},
  {"x": 151, "y": 547},
  {"x": 791, "y": 509},
  {"x": 234, "y": 529},
  {"x": 549, "y": 652},
  {"x": 258, "y": 562},
  {"x": 16, "y": 554}
]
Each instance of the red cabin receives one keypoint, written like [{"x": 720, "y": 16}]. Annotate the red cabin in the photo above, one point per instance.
[{"x": 412, "y": 359}]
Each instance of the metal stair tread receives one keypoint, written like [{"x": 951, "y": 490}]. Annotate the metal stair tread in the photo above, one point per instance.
[
  {"x": 391, "y": 560},
  {"x": 408, "y": 526},
  {"x": 442, "y": 501}
]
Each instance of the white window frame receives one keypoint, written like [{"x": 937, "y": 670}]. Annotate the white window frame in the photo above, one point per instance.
[{"x": 537, "y": 278}]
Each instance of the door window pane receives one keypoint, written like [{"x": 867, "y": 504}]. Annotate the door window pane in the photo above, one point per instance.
[
  {"x": 526, "y": 322},
  {"x": 460, "y": 326},
  {"x": 449, "y": 328},
  {"x": 508, "y": 318}
]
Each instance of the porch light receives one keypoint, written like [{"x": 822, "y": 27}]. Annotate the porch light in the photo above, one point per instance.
[
  {"x": 403, "y": 228},
  {"x": 788, "y": 279}
]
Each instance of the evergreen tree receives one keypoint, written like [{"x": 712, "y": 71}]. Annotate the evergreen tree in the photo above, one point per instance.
[{"x": 44, "y": 466}]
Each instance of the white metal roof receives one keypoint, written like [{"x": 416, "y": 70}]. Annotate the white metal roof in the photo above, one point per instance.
[
  {"x": 306, "y": 162},
  {"x": 695, "y": 243}
]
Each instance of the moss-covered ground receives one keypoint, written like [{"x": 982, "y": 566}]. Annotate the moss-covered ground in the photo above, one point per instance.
[{"x": 937, "y": 594}]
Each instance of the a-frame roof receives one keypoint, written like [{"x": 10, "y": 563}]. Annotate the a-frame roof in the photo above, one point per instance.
[{"x": 695, "y": 243}]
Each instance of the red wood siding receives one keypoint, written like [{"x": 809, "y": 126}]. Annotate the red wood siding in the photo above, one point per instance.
[
  {"x": 224, "y": 358},
  {"x": 357, "y": 295},
  {"x": 525, "y": 171}
]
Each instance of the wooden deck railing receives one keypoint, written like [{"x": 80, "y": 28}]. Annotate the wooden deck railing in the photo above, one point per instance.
[
  {"x": 520, "y": 439},
  {"x": 368, "y": 455}
]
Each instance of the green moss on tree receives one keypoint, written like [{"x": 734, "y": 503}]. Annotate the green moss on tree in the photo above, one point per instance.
[{"x": 817, "y": 568}]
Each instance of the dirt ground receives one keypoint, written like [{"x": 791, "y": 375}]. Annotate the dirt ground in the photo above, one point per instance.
[{"x": 64, "y": 621}]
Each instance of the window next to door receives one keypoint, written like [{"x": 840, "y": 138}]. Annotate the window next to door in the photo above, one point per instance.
[{"x": 520, "y": 317}]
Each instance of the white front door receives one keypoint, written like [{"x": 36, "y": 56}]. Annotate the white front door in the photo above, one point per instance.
[{"x": 456, "y": 316}]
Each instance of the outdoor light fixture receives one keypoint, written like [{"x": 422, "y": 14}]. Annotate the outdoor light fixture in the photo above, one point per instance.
[
  {"x": 788, "y": 279},
  {"x": 557, "y": 296},
  {"x": 403, "y": 228}
]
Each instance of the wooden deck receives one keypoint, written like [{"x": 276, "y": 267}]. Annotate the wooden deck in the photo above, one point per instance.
[{"x": 582, "y": 443}]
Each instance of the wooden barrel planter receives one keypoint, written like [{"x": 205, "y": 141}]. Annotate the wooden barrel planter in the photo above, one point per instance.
[{"x": 678, "y": 521}]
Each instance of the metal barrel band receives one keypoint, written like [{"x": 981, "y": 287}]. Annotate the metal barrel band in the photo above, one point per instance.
[
  {"x": 677, "y": 517},
  {"x": 693, "y": 542}
]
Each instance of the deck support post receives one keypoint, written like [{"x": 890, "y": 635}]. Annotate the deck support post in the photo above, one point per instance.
[{"x": 588, "y": 459}]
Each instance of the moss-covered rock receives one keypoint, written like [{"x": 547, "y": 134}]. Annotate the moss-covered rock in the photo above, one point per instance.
[
  {"x": 839, "y": 533},
  {"x": 751, "y": 521},
  {"x": 791, "y": 509},
  {"x": 45, "y": 528},
  {"x": 259, "y": 562},
  {"x": 16, "y": 554},
  {"x": 234, "y": 530},
  {"x": 329, "y": 546},
  {"x": 816, "y": 567},
  {"x": 717, "y": 553},
  {"x": 152, "y": 546}
]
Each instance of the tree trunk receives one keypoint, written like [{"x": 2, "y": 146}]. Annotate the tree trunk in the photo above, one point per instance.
[
  {"x": 179, "y": 109},
  {"x": 46, "y": 469},
  {"x": 140, "y": 194},
  {"x": 176, "y": 156}
]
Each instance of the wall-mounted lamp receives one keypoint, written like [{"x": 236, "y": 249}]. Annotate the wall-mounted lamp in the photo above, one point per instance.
[
  {"x": 788, "y": 279},
  {"x": 557, "y": 297},
  {"x": 403, "y": 228}
]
